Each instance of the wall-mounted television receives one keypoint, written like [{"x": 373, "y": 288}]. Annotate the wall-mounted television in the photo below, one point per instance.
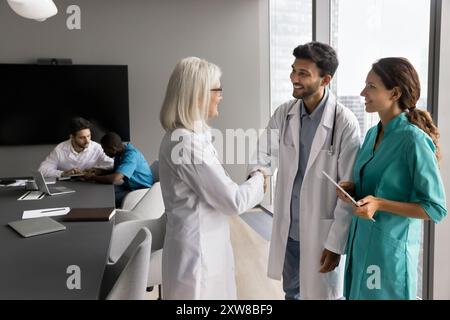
[{"x": 38, "y": 101}]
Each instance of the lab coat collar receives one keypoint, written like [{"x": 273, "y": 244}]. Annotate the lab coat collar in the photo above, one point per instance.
[
  {"x": 295, "y": 108},
  {"x": 316, "y": 115},
  {"x": 328, "y": 113}
]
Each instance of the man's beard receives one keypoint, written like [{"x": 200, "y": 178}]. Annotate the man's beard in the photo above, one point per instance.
[
  {"x": 307, "y": 91},
  {"x": 82, "y": 146}
]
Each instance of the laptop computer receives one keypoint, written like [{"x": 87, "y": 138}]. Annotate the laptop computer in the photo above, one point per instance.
[{"x": 50, "y": 190}]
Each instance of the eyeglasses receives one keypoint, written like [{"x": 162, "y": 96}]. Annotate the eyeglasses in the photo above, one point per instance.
[{"x": 218, "y": 90}]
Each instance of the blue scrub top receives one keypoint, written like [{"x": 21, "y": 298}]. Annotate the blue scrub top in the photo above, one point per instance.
[
  {"x": 403, "y": 168},
  {"x": 134, "y": 167}
]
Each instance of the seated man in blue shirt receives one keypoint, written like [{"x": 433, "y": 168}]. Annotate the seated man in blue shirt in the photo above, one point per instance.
[{"x": 131, "y": 171}]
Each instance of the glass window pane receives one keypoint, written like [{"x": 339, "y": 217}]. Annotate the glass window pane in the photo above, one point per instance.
[
  {"x": 290, "y": 25},
  {"x": 381, "y": 28}
]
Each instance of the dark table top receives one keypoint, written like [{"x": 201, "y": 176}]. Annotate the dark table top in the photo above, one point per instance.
[{"x": 39, "y": 267}]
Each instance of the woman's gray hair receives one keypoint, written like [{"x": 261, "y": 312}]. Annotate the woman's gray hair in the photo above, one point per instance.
[{"x": 188, "y": 94}]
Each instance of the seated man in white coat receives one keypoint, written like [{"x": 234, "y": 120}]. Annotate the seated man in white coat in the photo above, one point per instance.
[
  {"x": 310, "y": 133},
  {"x": 77, "y": 154}
]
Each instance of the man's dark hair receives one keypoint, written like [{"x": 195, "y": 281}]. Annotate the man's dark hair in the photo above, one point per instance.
[
  {"x": 321, "y": 54},
  {"x": 111, "y": 139},
  {"x": 79, "y": 123}
]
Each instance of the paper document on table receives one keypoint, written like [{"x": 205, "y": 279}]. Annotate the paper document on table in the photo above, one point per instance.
[
  {"x": 16, "y": 183},
  {"x": 48, "y": 212}
]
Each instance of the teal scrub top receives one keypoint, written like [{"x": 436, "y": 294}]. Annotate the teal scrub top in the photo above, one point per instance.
[
  {"x": 403, "y": 168},
  {"x": 134, "y": 167}
]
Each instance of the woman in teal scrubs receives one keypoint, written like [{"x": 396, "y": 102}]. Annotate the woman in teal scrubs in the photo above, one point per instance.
[{"x": 397, "y": 181}]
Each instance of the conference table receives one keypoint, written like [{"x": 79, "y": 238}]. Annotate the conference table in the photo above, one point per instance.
[{"x": 66, "y": 264}]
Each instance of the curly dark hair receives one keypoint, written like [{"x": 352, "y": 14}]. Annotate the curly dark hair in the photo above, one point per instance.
[{"x": 321, "y": 54}]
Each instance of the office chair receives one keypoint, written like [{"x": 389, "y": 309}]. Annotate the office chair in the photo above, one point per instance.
[
  {"x": 120, "y": 239},
  {"x": 132, "y": 199},
  {"x": 149, "y": 206},
  {"x": 126, "y": 278}
]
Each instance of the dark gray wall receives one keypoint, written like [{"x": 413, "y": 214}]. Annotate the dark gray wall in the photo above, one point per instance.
[{"x": 150, "y": 37}]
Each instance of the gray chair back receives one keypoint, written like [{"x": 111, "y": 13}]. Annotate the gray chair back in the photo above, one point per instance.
[
  {"x": 149, "y": 206},
  {"x": 157, "y": 228},
  {"x": 126, "y": 278}
]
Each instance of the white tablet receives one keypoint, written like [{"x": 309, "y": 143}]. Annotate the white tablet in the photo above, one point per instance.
[
  {"x": 340, "y": 188},
  {"x": 345, "y": 192}
]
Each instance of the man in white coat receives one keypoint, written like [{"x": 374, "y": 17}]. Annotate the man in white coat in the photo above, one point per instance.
[{"x": 310, "y": 134}]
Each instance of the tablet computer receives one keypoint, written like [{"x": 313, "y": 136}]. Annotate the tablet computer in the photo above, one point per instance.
[
  {"x": 343, "y": 191},
  {"x": 340, "y": 188}
]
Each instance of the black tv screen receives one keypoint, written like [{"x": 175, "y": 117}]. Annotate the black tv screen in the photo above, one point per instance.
[{"x": 38, "y": 101}]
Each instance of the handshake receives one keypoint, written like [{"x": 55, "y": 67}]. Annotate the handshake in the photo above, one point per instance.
[{"x": 266, "y": 177}]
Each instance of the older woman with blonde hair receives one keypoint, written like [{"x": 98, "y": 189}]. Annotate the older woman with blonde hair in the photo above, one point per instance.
[{"x": 198, "y": 194}]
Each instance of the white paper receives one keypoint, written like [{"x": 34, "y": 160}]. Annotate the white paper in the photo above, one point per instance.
[
  {"x": 18, "y": 183},
  {"x": 47, "y": 212}
]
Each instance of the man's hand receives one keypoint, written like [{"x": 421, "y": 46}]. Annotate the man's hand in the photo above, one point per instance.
[
  {"x": 90, "y": 171},
  {"x": 89, "y": 176},
  {"x": 70, "y": 172},
  {"x": 329, "y": 261},
  {"x": 266, "y": 178}
]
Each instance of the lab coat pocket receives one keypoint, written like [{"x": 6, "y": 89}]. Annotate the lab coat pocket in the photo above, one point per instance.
[
  {"x": 385, "y": 267},
  {"x": 333, "y": 278}
]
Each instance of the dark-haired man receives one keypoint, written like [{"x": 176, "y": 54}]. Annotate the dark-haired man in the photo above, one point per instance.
[
  {"x": 310, "y": 133},
  {"x": 77, "y": 154},
  {"x": 131, "y": 171}
]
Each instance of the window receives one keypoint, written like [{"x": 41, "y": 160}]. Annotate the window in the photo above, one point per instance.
[
  {"x": 290, "y": 25},
  {"x": 382, "y": 28}
]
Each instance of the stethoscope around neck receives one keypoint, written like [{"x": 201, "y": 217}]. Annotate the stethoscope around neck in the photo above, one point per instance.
[{"x": 331, "y": 147}]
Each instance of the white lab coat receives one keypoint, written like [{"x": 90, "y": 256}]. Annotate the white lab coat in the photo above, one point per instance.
[
  {"x": 324, "y": 220},
  {"x": 198, "y": 258}
]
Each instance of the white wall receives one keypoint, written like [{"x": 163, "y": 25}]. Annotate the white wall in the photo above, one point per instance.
[
  {"x": 442, "y": 240},
  {"x": 150, "y": 37}
]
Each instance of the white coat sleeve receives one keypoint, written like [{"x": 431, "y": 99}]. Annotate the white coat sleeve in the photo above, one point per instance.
[
  {"x": 266, "y": 155},
  {"x": 204, "y": 174},
  {"x": 49, "y": 167},
  {"x": 350, "y": 143}
]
